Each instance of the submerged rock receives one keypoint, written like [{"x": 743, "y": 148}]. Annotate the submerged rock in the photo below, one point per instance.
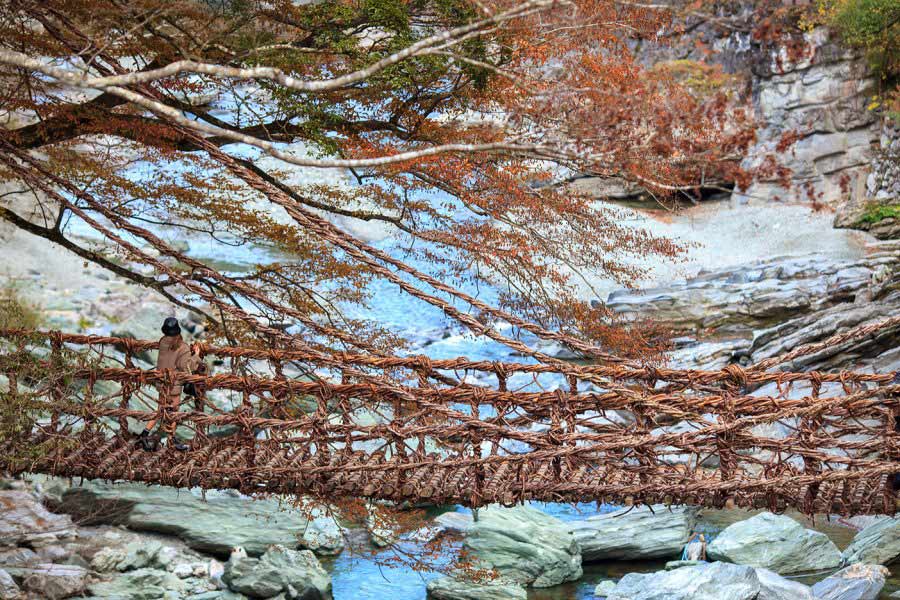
[
  {"x": 297, "y": 574},
  {"x": 635, "y": 533},
  {"x": 877, "y": 544},
  {"x": 525, "y": 545},
  {"x": 856, "y": 582},
  {"x": 452, "y": 588},
  {"x": 712, "y": 581},
  {"x": 775, "y": 542}
]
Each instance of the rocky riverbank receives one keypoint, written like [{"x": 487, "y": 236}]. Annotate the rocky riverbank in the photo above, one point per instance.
[{"x": 183, "y": 550}]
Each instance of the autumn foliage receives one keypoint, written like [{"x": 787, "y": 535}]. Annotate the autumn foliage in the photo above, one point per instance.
[{"x": 458, "y": 121}]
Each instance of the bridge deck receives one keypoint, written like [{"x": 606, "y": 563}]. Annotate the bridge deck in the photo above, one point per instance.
[{"x": 820, "y": 442}]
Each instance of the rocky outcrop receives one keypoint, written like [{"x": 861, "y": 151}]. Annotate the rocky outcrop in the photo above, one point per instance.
[
  {"x": 856, "y": 582},
  {"x": 877, "y": 544},
  {"x": 215, "y": 524},
  {"x": 452, "y": 588},
  {"x": 296, "y": 574},
  {"x": 751, "y": 313},
  {"x": 635, "y": 533},
  {"x": 775, "y": 542},
  {"x": 711, "y": 581},
  {"x": 525, "y": 545}
]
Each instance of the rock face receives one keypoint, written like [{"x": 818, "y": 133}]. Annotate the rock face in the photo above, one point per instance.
[
  {"x": 821, "y": 93},
  {"x": 525, "y": 545},
  {"x": 877, "y": 544},
  {"x": 775, "y": 542},
  {"x": 856, "y": 582},
  {"x": 224, "y": 520},
  {"x": 823, "y": 96},
  {"x": 451, "y": 588},
  {"x": 711, "y": 581},
  {"x": 297, "y": 574},
  {"x": 638, "y": 533}
]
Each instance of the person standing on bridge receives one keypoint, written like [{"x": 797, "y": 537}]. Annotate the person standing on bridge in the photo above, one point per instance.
[{"x": 174, "y": 355}]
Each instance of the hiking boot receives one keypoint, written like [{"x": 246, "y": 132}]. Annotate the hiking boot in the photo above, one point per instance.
[{"x": 181, "y": 446}]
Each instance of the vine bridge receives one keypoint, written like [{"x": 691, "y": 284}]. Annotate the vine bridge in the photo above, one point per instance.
[{"x": 458, "y": 431}]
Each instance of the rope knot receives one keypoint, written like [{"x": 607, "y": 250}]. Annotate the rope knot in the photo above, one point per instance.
[{"x": 737, "y": 374}]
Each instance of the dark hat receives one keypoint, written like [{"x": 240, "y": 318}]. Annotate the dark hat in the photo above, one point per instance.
[{"x": 170, "y": 327}]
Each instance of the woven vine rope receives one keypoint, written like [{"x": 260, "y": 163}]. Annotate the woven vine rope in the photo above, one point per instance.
[{"x": 386, "y": 428}]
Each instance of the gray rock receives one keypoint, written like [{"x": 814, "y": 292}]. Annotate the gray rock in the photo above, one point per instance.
[
  {"x": 637, "y": 533},
  {"x": 23, "y": 519},
  {"x": 142, "y": 584},
  {"x": 51, "y": 581},
  {"x": 877, "y": 544},
  {"x": 711, "y": 581},
  {"x": 323, "y": 535},
  {"x": 8, "y": 588},
  {"x": 451, "y": 588},
  {"x": 296, "y": 573},
  {"x": 19, "y": 557},
  {"x": 381, "y": 527},
  {"x": 525, "y": 545},
  {"x": 775, "y": 542},
  {"x": 454, "y": 522},
  {"x": 224, "y": 520},
  {"x": 604, "y": 589},
  {"x": 856, "y": 582},
  {"x": 677, "y": 564}
]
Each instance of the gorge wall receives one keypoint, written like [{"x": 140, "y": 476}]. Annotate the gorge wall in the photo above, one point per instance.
[{"x": 821, "y": 93}]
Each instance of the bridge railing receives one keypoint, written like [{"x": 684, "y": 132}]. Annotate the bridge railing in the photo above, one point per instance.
[{"x": 282, "y": 421}]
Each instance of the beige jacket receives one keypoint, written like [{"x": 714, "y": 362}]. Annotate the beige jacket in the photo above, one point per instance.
[{"x": 175, "y": 355}]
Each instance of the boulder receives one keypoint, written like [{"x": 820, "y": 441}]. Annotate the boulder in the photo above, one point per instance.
[
  {"x": 8, "y": 588},
  {"x": 51, "y": 581},
  {"x": 454, "y": 522},
  {"x": 775, "y": 542},
  {"x": 297, "y": 574},
  {"x": 604, "y": 589},
  {"x": 452, "y": 588},
  {"x": 877, "y": 544},
  {"x": 856, "y": 582},
  {"x": 636, "y": 533},
  {"x": 525, "y": 545},
  {"x": 216, "y": 524},
  {"x": 24, "y": 520},
  {"x": 381, "y": 526},
  {"x": 323, "y": 535},
  {"x": 141, "y": 584},
  {"x": 711, "y": 581}
]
